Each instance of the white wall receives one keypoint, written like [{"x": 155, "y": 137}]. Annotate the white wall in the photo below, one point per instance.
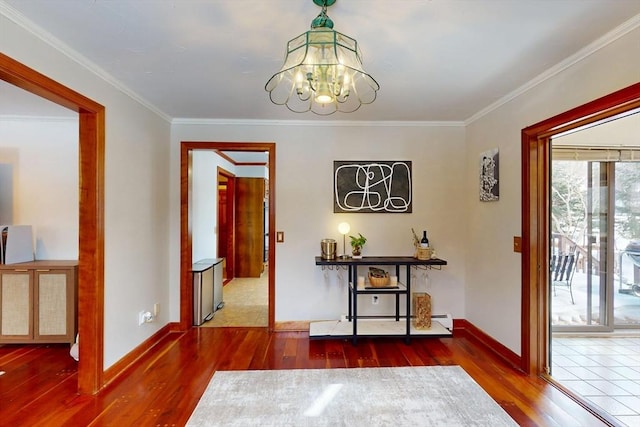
[
  {"x": 42, "y": 157},
  {"x": 304, "y": 206},
  {"x": 204, "y": 204},
  {"x": 252, "y": 172},
  {"x": 493, "y": 288},
  {"x": 136, "y": 199},
  {"x": 204, "y": 199}
]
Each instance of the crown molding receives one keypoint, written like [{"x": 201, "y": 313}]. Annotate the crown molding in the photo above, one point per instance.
[
  {"x": 583, "y": 53},
  {"x": 332, "y": 123},
  {"x": 38, "y": 119},
  {"x": 20, "y": 20},
  {"x": 59, "y": 45}
]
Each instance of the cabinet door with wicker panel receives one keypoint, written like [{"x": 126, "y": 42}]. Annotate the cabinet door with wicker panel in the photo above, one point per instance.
[
  {"x": 16, "y": 305},
  {"x": 38, "y": 302}
]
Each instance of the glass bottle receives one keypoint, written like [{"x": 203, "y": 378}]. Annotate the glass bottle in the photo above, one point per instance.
[{"x": 424, "y": 242}]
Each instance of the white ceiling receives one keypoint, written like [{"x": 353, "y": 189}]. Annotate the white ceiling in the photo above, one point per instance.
[{"x": 438, "y": 60}]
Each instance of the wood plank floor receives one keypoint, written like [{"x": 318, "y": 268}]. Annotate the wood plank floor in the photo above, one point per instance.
[{"x": 39, "y": 386}]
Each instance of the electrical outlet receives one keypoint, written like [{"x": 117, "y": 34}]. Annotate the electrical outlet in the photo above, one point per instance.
[
  {"x": 144, "y": 317},
  {"x": 374, "y": 300},
  {"x": 156, "y": 309}
]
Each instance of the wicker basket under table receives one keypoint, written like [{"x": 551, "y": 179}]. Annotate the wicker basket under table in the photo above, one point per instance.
[{"x": 379, "y": 282}]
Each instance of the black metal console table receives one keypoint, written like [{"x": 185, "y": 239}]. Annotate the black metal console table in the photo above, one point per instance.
[{"x": 403, "y": 288}]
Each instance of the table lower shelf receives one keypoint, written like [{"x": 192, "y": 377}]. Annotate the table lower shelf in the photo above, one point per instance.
[{"x": 373, "y": 327}]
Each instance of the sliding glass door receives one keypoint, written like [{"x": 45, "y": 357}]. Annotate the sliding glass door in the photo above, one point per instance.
[
  {"x": 626, "y": 295},
  {"x": 595, "y": 252},
  {"x": 579, "y": 276}
]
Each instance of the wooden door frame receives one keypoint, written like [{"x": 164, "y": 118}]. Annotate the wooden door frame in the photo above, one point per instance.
[
  {"x": 535, "y": 216},
  {"x": 91, "y": 144},
  {"x": 186, "y": 221},
  {"x": 231, "y": 199}
]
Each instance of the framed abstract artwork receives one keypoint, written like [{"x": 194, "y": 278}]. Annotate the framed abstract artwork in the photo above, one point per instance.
[{"x": 372, "y": 186}]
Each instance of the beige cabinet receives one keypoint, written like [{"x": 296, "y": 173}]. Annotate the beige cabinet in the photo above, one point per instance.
[{"x": 38, "y": 302}]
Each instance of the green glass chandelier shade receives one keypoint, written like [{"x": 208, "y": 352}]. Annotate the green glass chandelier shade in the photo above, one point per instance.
[{"x": 322, "y": 72}]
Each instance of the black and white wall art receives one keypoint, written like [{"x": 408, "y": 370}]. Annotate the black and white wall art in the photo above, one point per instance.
[
  {"x": 372, "y": 186},
  {"x": 489, "y": 176}
]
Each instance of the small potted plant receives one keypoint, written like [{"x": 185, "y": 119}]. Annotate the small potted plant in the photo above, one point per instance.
[{"x": 356, "y": 245}]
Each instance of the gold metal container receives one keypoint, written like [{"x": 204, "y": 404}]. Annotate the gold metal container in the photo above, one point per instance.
[{"x": 328, "y": 248}]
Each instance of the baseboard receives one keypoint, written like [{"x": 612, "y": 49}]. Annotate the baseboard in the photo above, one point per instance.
[
  {"x": 293, "y": 326},
  {"x": 177, "y": 327},
  {"x": 134, "y": 355},
  {"x": 462, "y": 327}
]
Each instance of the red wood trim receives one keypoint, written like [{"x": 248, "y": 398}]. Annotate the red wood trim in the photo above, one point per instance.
[
  {"x": 186, "y": 288},
  {"x": 462, "y": 327},
  {"x": 272, "y": 235},
  {"x": 175, "y": 327},
  {"x": 535, "y": 184},
  {"x": 233, "y": 162},
  {"x": 91, "y": 206},
  {"x": 292, "y": 326},
  {"x": 32, "y": 81},
  {"x": 91, "y": 252},
  {"x": 224, "y": 156},
  {"x": 129, "y": 360},
  {"x": 230, "y": 260},
  {"x": 186, "y": 291},
  {"x": 250, "y": 163},
  {"x": 611, "y": 102}
]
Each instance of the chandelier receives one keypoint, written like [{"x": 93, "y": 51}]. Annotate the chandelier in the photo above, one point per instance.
[{"x": 322, "y": 71}]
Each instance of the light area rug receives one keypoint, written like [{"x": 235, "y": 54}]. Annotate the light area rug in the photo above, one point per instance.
[{"x": 405, "y": 396}]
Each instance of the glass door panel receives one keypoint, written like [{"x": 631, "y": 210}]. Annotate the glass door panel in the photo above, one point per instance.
[
  {"x": 578, "y": 265},
  {"x": 626, "y": 296}
]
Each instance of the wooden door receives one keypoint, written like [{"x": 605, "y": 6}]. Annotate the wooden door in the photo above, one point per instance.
[{"x": 249, "y": 228}]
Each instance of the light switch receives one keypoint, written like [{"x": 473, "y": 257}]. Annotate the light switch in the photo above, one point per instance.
[
  {"x": 279, "y": 236},
  {"x": 517, "y": 244}
]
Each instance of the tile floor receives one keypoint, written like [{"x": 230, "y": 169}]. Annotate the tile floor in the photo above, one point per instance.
[
  {"x": 605, "y": 371},
  {"x": 245, "y": 303}
]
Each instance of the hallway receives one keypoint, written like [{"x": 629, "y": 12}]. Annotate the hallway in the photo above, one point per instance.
[{"x": 246, "y": 303}]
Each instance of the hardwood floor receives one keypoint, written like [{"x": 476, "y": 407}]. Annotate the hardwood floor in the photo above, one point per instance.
[{"x": 39, "y": 386}]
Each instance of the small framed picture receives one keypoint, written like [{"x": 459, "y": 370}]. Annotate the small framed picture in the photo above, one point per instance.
[{"x": 489, "y": 176}]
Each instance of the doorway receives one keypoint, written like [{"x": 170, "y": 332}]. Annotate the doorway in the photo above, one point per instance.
[
  {"x": 595, "y": 218},
  {"x": 186, "y": 154},
  {"x": 536, "y": 228},
  {"x": 225, "y": 221},
  {"x": 241, "y": 216},
  {"x": 91, "y": 142}
]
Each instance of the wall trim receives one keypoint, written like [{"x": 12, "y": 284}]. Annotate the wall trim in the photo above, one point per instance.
[
  {"x": 40, "y": 119},
  {"x": 583, "y": 53},
  {"x": 464, "y": 328},
  {"x": 60, "y": 46},
  {"x": 327, "y": 123},
  {"x": 132, "y": 358},
  {"x": 292, "y": 326}
]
